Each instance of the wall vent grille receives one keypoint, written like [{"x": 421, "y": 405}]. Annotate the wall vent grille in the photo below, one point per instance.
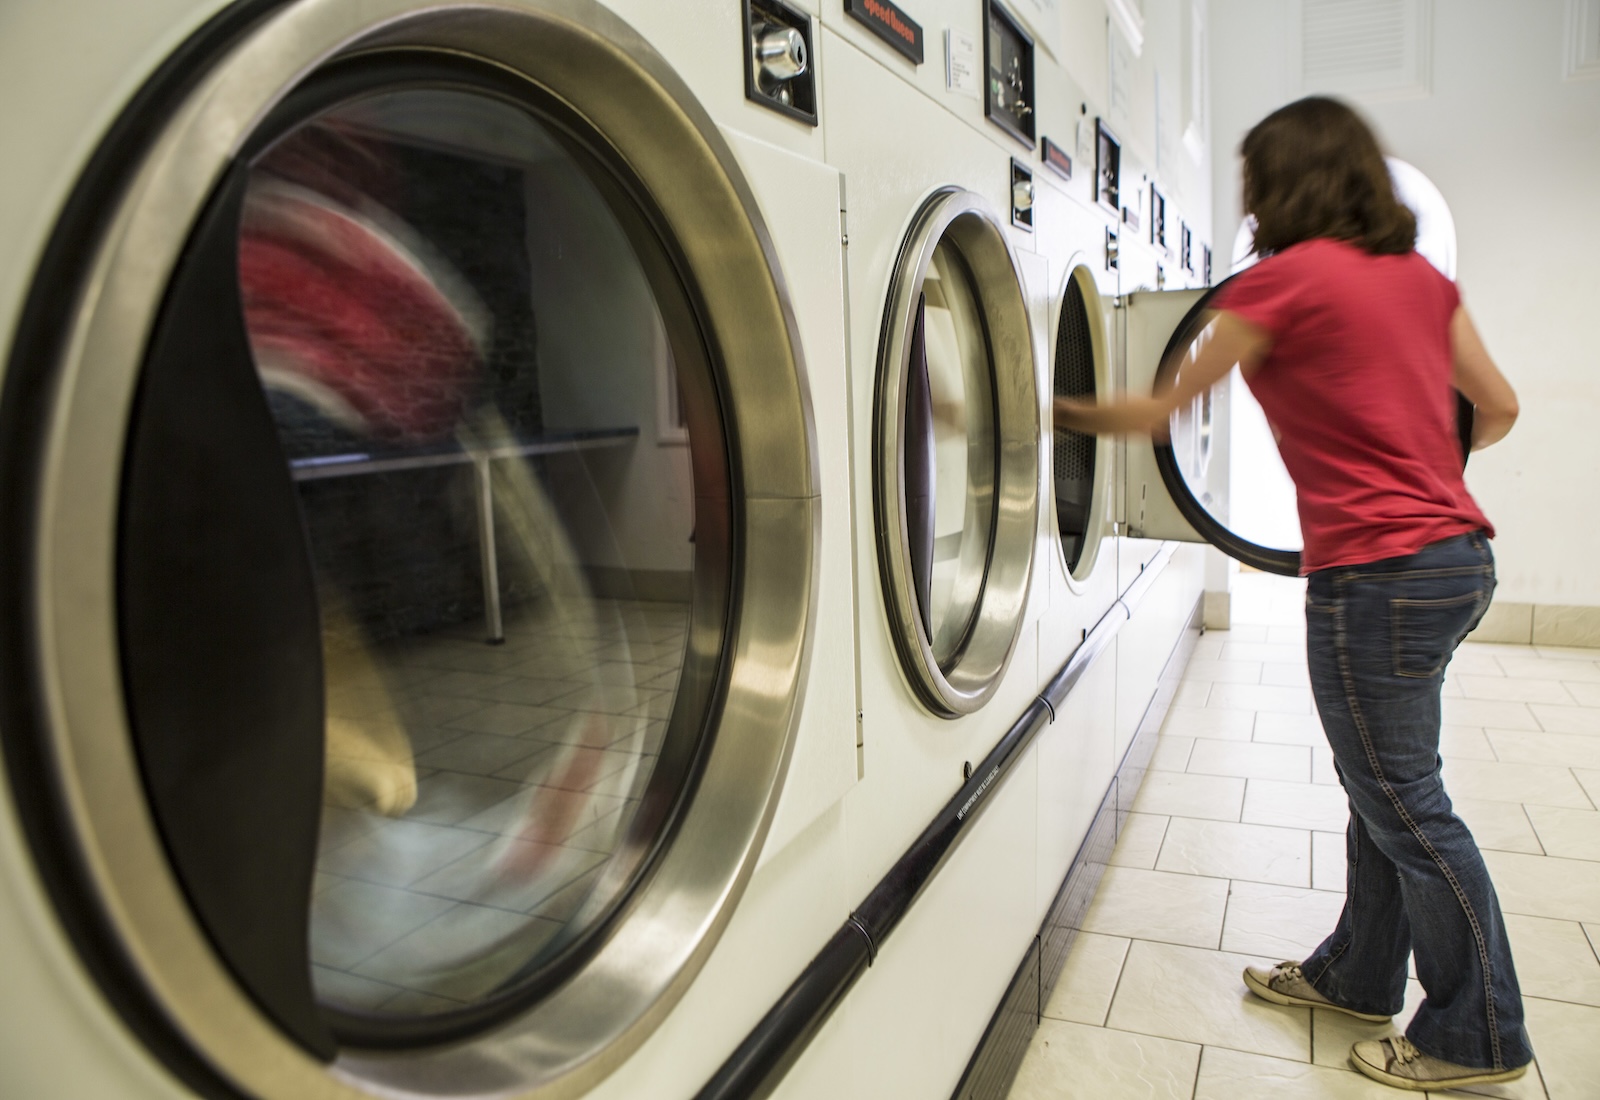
[{"x": 1376, "y": 49}]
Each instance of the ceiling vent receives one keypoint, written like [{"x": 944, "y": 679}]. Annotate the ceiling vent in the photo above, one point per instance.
[{"x": 1374, "y": 49}]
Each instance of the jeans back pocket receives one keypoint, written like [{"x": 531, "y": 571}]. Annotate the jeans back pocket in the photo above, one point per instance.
[{"x": 1424, "y": 632}]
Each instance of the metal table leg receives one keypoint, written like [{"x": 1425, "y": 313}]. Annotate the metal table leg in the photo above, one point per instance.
[{"x": 487, "y": 553}]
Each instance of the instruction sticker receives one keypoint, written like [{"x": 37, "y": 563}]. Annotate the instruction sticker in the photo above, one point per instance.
[{"x": 961, "y": 63}]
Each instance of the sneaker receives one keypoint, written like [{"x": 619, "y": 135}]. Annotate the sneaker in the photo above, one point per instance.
[
  {"x": 1394, "y": 1061},
  {"x": 1285, "y": 984}
]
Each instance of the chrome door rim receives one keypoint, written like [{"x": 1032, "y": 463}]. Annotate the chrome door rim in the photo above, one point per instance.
[
  {"x": 580, "y": 53},
  {"x": 977, "y": 671}
]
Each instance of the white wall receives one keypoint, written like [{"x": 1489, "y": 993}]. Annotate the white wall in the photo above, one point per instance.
[{"x": 1516, "y": 151}]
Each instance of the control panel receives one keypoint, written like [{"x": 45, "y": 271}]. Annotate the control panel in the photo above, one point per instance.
[{"x": 1008, "y": 87}]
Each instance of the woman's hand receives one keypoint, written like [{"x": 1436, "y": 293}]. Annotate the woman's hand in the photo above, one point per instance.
[{"x": 1225, "y": 341}]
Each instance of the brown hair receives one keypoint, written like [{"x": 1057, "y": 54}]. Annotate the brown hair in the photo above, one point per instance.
[{"x": 1314, "y": 169}]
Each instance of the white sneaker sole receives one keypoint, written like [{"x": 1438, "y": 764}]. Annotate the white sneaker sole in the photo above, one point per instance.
[
  {"x": 1267, "y": 993},
  {"x": 1437, "y": 1084}
]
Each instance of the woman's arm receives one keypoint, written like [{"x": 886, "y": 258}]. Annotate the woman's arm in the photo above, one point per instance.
[
  {"x": 1476, "y": 376},
  {"x": 1227, "y": 339}
]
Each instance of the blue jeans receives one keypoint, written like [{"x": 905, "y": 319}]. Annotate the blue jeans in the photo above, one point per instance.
[{"x": 1378, "y": 638}]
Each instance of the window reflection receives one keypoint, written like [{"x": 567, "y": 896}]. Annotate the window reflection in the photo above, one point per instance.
[
  {"x": 462, "y": 351},
  {"x": 960, "y": 381}
]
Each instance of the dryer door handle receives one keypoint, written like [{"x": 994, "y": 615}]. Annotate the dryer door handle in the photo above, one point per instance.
[{"x": 219, "y": 632}]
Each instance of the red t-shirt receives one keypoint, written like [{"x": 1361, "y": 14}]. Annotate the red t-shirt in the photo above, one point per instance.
[{"x": 1357, "y": 390}]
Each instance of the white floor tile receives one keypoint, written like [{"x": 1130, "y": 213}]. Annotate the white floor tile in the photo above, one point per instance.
[
  {"x": 1154, "y": 905},
  {"x": 1543, "y": 886},
  {"x": 1089, "y": 979},
  {"x": 1469, "y": 662},
  {"x": 1334, "y": 1033},
  {"x": 1068, "y": 1060},
  {"x": 1554, "y": 959},
  {"x": 1282, "y": 922},
  {"x": 1219, "y": 725},
  {"x": 1198, "y": 996},
  {"x": 1285, "y": 674},
  {"x": 1226, "y": 849},
  {"x": 1217, "y": 797},
  {"x": 1281, "y": 652},
  {"x": 1544, "y": 784},
  {"x": 1586, "y": 692},
  {"x": 1261, "y": 697},
  {"x": 1554, "y": 719},
  {"x": 1322, "y": 770},
  {"x": 1234, "y": 1075},
  {"x": 1489, "y": 713},
  {"x": 1140, "y": 841},
  {"x": 1328, "y": 869},
  {"x": 1567, "y": 834},
  {"x": 1466, "y": 742},
  {"x": 1515, "y": 689},
  {"x": 1564, "y": 1040},
  {"x": 1223, "y": 672},
  {"x": 1503, "y": 826},
  {"x": 1295, "y": 805},
  {"x": 1172, "y": 754},
  {"x": 1289, "y": 729},
  {"x": 1251, "y": 760},
  {"x": 1589, "y": 780},
  {"x": 1549, "y": 668}
]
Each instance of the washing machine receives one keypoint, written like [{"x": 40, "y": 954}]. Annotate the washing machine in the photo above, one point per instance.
[
  {"x": 423, "y": 463},
  {"x": 947, "y": 410}
]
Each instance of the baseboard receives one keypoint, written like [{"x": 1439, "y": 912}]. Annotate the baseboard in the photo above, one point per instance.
[
  {"x": 1539, "y": 624},
  {"x": 993, "y": 1066}
]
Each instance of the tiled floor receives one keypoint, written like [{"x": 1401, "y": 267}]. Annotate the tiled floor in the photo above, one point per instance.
[
  {"x": 1236, "y": 855},
  {"x": 530, "y": 760}
]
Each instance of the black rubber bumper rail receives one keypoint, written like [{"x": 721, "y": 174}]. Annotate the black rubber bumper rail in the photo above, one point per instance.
[{"x": 776, "y": 1043}]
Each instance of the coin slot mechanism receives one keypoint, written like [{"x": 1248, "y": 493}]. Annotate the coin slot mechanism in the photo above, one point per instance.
[
  {"x": 777, "y": 59},
  {"x": 1021, "y": 195},
  {"x": 1008, "y": 86}
]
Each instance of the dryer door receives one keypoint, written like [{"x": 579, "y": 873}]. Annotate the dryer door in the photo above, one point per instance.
[
  {"x": 956, "y": 453},
  {"x": 423, "y": 487},
  {"x": 1218, "y": 478},
  {"x": 1082, "y": 464}
]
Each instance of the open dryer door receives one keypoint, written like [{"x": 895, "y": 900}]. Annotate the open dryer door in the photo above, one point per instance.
[{"x": 1218, "y": 477}]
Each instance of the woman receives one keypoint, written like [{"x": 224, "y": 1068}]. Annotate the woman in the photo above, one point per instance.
[{"x": 1353, "y": 345}]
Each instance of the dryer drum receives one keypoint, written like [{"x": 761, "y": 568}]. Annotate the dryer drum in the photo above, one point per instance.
[
  {"x": 1076, "y": 463},
  {"x": 387, "y": 713}
]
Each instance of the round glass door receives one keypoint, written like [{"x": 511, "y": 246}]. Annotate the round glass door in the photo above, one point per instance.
[
  {"x": 463, "y": 353},
  {"x": 1078, "y": 465},
  {"x": 956, "y": 456},
  {"x": 436, "y": 425}
]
